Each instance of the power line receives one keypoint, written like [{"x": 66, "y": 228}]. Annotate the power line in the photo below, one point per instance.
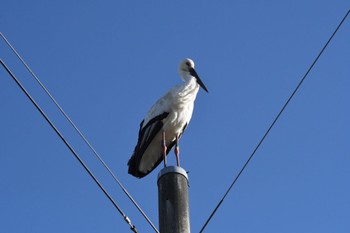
[
  {"x": 273, "y": 123},
  {"x": 126, "y": 218},
  {"x": 79, "y": 132}
]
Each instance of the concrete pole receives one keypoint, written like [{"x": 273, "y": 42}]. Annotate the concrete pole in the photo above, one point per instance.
[{"x": 174, "y": 214}]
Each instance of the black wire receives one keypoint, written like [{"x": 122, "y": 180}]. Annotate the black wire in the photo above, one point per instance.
[
  {"x": 127, "y": 220},
  {"x": 273, "y": 123},
  {"x": 98, "y": 156}
]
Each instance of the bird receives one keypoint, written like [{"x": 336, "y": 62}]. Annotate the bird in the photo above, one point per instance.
[{"x": 165, "y": 123}]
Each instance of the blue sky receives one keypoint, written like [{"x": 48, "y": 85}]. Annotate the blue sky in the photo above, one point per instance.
[{"x": 106, "y": 63}]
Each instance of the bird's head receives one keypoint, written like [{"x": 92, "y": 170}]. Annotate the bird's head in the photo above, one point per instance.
[{"x": 187, "y": 68}]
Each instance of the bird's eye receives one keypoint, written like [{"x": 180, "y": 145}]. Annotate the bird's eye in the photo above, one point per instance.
[{"x": 188, "y": 64}]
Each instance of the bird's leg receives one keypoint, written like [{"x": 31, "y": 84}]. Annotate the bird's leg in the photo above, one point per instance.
[
  {"x": 177, "y": 151},
  {"x": 164, "y": 147}
]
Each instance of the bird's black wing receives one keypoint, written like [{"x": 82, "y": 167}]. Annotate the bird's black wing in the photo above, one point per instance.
[{"x": 146, "y": 135}]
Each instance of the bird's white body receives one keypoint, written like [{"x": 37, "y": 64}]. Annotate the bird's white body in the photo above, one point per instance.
[
  {"x": 179, "y": 102},
  {"x": 170, "y": 114}
]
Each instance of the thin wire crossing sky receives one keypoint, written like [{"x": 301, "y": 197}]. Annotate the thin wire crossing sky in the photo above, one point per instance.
[{"x": 106, "y": 63}]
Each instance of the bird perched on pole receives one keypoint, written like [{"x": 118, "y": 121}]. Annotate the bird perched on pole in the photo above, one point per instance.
[{"x": 165, "y": 122}]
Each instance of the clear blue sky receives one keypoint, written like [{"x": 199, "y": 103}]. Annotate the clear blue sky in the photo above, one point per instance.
[{"x": 107, "y": 62}]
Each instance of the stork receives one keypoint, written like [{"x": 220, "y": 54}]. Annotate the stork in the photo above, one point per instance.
[{"x": 165, "y": 122}]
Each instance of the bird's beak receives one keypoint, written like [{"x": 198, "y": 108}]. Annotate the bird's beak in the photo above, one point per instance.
[{"x": 199, "y": 81}]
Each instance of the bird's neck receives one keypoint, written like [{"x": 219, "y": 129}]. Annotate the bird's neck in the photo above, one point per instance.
[{"x": 189, "y": 89}]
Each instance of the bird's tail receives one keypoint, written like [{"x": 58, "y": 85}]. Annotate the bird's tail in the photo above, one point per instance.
[{"x": 133, "y": 169}]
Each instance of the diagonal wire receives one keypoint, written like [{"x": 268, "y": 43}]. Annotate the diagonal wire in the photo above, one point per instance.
[
  {"x": 126, "y": 218},
  {"x": 273, "y": 123},
  {"x": 80, "y": 133}
]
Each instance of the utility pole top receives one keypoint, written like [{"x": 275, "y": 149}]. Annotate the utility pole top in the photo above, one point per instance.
[
  {"x": 172, "y": 169},
  {"x": 174, "y": 214}
]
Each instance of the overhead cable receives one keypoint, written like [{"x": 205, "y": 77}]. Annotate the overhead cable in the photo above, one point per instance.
[
  {"x": 273, "y": 123},
  {"x": 126, "y": 218},
  {"x": 98, "y": 156}
]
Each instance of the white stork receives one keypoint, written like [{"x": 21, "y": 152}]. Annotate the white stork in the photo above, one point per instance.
[{"x": 165, "y": 122}]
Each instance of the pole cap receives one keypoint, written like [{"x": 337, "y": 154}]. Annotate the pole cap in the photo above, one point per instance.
[{"x": 172, "y": 169}]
